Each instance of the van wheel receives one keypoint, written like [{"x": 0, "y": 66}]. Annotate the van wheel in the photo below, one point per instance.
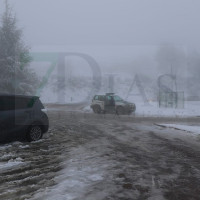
[
  {"x": 35, "y": 133},
  {"x": 97, "y": 109}
]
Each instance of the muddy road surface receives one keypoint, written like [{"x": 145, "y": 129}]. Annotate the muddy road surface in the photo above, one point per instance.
[{"x": 86, "y": 156}]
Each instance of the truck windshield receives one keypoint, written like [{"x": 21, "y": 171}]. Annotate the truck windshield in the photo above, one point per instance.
[{"x": 117, "y": 98}]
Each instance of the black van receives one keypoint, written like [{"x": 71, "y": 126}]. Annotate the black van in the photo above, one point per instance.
[{"x": 22, "y": 117}]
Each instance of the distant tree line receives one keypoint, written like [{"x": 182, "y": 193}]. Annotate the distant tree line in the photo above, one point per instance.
[{"x": 15, "y": 73}]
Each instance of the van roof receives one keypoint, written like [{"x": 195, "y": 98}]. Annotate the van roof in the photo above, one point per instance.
[{"x": 16, "y": 95}]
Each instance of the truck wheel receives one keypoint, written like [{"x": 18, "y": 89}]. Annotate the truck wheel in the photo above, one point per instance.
[
  {"x": 120, "y": 110},
  {"x": 97, "y": 109}
]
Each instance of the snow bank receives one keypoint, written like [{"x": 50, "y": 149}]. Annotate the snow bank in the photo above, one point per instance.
[{"x": 191, "y": 129}]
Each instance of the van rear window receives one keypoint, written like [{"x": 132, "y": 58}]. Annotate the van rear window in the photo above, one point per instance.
[
  {"x": 23, "y": 103},
  {"x": 16, "y": 103},
  {"x": 7, "y": 103}
]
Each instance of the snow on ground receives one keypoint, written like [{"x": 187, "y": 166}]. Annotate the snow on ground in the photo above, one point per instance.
[
  {"x": 191, "y": 129},
  {"x": 11, "y": 164},
  {"x": 83, "y": 169},
  {"x": 191, "y": 109},
  {"x": 87, "y": 109},
  {"x": 8, "y": 159},
  {"x": 78, "y": 88}
]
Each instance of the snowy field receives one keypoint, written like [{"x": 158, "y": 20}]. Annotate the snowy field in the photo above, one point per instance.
[
  {"x": 192, "y": 109},
  {"x": 77, "y": 88}
]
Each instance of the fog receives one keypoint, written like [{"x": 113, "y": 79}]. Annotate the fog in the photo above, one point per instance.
[
  {"x": 122, "y": 36},
  {"x": 108, "y": 22},
  {"x": 114, "y": 84},
  {"x": 114, "y": 23}
]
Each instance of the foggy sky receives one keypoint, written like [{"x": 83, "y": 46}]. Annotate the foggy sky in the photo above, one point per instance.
[{"x": 108, "y": 22}]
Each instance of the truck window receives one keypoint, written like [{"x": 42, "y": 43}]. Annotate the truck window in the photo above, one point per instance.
[{"x": 101, "y": 98}]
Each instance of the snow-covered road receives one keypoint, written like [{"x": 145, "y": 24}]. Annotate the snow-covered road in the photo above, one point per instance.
[{"x": 97, "y": 157}]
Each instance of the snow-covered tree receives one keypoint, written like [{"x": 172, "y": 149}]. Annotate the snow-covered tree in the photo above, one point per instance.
[{"x": 15, "y": 74}]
